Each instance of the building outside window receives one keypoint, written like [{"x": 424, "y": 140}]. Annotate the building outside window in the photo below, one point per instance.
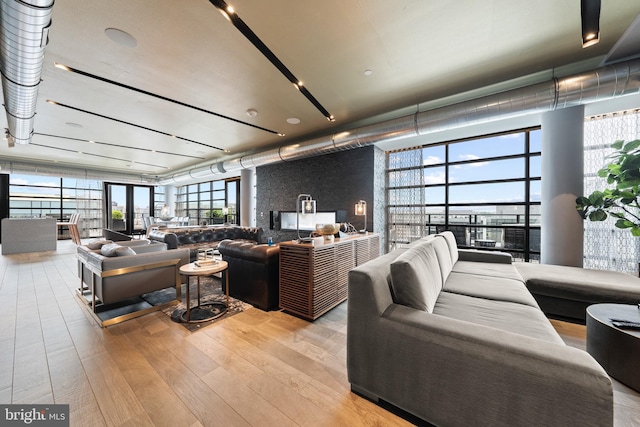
[
  {"x": 212, "y": 202},
  {"x": 485, "y": 190},
  {"x": 49, "y": 197}
]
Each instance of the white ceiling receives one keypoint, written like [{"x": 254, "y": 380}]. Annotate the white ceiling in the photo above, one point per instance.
[{"x": 418, "y": 50}]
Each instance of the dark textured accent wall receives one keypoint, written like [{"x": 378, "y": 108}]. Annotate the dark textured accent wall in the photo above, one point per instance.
[{"x": 336, "y": 181}]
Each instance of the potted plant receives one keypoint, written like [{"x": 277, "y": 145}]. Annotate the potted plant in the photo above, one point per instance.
[
  {"x": 216, "y": 216},
  {"x": 117, "y": 219},
  {"x": 620, "y": 201}
]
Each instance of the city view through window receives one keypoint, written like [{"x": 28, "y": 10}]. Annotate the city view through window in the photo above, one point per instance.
[{"x": 485, "y": 190}]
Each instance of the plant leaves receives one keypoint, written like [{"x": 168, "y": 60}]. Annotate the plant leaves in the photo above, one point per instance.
[
  {"x": 618, "y": 144},
  {"x": 597, "y": 215}
]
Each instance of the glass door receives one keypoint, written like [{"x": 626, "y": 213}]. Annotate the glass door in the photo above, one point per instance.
[
  {"x": 116, "y": 209},
  {"x": 125, "y": 205}
]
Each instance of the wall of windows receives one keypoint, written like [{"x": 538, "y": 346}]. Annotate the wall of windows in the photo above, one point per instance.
[
  {"x": 485, "y": 190},
  {"x": 213, "y": 202},
  {"x": 53, "y": 197},
  {"x": 49, "y": 197}
]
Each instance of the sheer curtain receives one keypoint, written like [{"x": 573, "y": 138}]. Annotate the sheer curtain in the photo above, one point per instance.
[
  {"x": 605, "y": 246},
  {"x": 405, "y": 197}
]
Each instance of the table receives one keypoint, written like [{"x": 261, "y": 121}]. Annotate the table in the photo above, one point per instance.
[
  {"x": 200, "y": 311},
  {"x": 617, "y": 350}
]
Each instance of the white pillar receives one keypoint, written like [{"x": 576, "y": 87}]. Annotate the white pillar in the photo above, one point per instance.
[
  {"x": 562, "y": 183},
  {"x": 248, "y": 197},
  {"x": 170, "y": 199}
]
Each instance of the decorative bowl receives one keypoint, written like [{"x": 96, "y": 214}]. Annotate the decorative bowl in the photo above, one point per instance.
[{"x": 327, "y": 229}]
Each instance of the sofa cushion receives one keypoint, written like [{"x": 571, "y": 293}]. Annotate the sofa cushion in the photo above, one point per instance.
[
  {"x": 450, "y": 238},
  {"x": 109, "y": 249},
  {"x": 507, "y": 271},
  {"x": 488, "y": 287},
  {"x": 98, "y": 243},
  {"x": 416, "y": 280},
  {"x": 125, "y": 251},
  {"x": 580, "y": 284},
  {"x": 444, "y": 257},
  {"x": 507, "y": 316}
]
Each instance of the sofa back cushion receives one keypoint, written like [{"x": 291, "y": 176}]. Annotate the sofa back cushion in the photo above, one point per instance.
[
  {"x": 450, "y": 238},
  {"x": 444, "y": 256},
  {"x": 416, "y": 280}
]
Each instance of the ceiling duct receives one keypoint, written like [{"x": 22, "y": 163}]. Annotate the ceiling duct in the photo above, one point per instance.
[
  {"x": 24, "y": 29},
  {"x": 597, "y": 85}
]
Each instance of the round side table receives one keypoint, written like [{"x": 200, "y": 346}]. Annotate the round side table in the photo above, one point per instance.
[
  {"x": 204, "y": 311},
  {"x": 616, "y": 349}
]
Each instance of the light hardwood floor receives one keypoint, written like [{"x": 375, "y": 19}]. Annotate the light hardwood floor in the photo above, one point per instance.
[{"x": 255, "y": 368}]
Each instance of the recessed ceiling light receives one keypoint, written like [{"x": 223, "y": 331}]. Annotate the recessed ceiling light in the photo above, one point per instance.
[
  {"x": 73, "y": 125},
  {"x": 121, "y": 37},
  {"x": 252, "y": 113},
  {"x": 293, "y": 120},
  {"x": 368, "y": 72}
]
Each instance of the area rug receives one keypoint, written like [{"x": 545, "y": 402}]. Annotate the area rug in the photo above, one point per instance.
[{"x": 210, "y": 293}]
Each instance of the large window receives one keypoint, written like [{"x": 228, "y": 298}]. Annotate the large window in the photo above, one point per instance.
[
  {"x": 49, "y": 197},
  {"x": 212, "y": 202},
  {"x": 485, "y": 190}
]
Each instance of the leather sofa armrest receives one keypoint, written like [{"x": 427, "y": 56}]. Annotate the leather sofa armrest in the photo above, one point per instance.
[
  {"x": 250, "y": 251},
  {"x": 164, "y": 237}
]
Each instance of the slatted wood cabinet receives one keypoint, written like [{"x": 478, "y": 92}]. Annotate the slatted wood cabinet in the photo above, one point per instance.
[{"x": 313, "y": 277}]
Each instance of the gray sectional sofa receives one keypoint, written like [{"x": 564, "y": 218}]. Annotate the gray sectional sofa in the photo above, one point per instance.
[{"x": 456, "y": 339}]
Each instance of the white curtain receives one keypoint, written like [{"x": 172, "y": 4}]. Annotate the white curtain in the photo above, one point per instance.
[{"x": 605, "y": 246}]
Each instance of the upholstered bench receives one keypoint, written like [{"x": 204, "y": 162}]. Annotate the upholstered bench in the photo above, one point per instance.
[{"x": 565, "y": 292}]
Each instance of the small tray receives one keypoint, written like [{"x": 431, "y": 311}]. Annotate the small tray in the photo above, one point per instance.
[{"x": 206, "y": 262}]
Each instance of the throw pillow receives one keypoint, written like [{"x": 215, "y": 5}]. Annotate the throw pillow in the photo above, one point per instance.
[
  {"x": 416, "y": 279},
  {"x": 109, "y": 249},
  {"x": 98, "y": 243},
  {"x": 124, "y": 251}
]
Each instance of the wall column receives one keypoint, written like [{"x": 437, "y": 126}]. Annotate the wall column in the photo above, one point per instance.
[
  {"x": 248, "y": 197},
  {"x": 562, "y": 183},
  {"x": 170, "y": 199}
]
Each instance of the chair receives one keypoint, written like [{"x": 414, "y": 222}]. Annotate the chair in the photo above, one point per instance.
[{"x": 72, "y": 224}]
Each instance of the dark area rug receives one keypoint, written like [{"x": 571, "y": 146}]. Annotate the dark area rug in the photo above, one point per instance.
[{"x": 211, "y": 297}]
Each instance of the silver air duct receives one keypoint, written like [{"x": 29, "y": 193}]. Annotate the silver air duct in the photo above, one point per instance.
[
  {"x": 601, "y": 84},
  {"x": 24, "y": 28}
]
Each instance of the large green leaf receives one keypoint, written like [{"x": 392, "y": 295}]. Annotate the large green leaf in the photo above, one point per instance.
[
  {"x": 598, "y": 215},
  {"x": 624, "y": 223},
  {"x": 596, "y": 198},
  {"x": 618, "y": 144},
  {"x": 635, "y": 231},
  {"x": 631, "y": 145}
]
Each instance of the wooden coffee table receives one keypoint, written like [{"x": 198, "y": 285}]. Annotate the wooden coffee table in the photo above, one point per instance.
[
  {"x": 204, "y": 310},
  {"x": 616, "y": 349}
]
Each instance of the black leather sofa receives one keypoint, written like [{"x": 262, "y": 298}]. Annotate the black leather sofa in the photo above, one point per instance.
[
  {"x": 195, "y": 238},
  {"x": 253, "y": 272}
]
